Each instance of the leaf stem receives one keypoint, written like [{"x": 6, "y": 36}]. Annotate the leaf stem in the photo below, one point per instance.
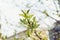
[{"x": 37, "y": 35}]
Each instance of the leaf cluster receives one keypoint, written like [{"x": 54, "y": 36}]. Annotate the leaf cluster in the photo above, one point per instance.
[{"x": 29, "y": 20}]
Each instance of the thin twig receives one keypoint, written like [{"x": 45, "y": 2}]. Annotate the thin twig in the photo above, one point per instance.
[
  {"x": 48, "y": 15},
  {"x": 37, "y": 35}
]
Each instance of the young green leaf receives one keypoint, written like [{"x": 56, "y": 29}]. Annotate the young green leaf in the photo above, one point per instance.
[{"x": 28, "y": 11}]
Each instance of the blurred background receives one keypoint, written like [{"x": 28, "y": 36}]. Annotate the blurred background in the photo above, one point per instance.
[{"x": 10, "y": 10}]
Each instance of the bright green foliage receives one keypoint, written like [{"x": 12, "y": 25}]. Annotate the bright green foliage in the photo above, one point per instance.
[
  {"x": 26, "y": 15},
  {"x": 30, "y": 21}
]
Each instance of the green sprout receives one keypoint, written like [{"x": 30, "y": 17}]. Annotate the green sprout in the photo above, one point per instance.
[{"x": 30, "y": 21}]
